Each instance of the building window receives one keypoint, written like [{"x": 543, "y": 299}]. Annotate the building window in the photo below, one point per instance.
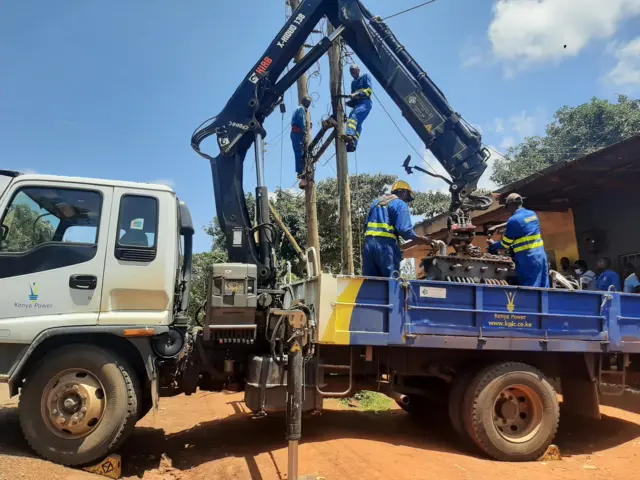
[
  {"x": 137, "y": 228},
  {"x": 42, "y": 215}
]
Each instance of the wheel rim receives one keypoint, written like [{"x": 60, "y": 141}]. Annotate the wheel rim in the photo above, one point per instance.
[
  {"x": 73, "y": 403},
  {"x": 517, "y": 413}
]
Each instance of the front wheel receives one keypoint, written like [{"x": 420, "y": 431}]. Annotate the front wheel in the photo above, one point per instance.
[
  {"x": 78, "y": 404},
  {"x": 511, "y": 412}
]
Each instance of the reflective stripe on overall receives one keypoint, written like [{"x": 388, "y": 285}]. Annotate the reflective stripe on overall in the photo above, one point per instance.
[
  {"x": 378, "y": 222},
  {"x": 381, "y": 254}
]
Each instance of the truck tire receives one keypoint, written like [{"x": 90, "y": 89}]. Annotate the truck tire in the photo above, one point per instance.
[
  {"x": 78, "y": 404},
  {"x": 456, "y": 397},
  {"x": 511, "y": 412}
]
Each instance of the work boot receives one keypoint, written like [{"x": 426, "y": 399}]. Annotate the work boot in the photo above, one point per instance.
[
  {"x": 350, "y": 143},
  {"x": 303, "y": 183}
]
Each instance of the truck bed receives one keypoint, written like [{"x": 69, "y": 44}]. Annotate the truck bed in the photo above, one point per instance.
[{"x": 420, "y": 313}]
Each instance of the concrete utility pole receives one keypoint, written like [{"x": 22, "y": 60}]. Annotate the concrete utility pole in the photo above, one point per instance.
[
  {"x": 313, "y": 239},
  {"x": 342, "y": 160}
]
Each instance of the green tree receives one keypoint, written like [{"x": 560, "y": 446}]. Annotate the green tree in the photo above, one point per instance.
[
  {"x": 430, "y": 203},
  {"x": 574, "y": 132},
  {"x": 25, "y": 228},
  {"x": 365, "y": 188}
]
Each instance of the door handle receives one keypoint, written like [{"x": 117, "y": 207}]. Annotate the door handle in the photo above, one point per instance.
[{"x": 83, "y": 282}]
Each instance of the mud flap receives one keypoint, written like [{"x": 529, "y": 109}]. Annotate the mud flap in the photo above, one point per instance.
[
  {"x": 581, "y": 397},
  {"x": 579, "y": 387}
]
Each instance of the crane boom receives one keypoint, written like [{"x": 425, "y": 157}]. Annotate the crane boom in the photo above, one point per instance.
[{"x": 457, "y": 146}]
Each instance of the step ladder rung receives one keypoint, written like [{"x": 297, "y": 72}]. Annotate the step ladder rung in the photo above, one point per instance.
[{"x": 328, "y": 366}]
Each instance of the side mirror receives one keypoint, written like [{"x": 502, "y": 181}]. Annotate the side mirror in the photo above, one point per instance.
[{"x": 4, "y": 231}]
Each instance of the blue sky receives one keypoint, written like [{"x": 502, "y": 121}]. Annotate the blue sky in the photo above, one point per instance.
[{"x": 115, "y": 89}]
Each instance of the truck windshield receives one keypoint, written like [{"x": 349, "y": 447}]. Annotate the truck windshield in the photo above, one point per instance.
[{"x": 41, "y": 214}]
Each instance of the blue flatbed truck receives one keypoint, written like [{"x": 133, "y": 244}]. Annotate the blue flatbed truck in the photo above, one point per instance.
[{"x": 495, "y": 355}]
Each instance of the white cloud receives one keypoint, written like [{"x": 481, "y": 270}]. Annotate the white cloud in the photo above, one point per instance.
[
  {"x": 627, "y": 71},
  {"x": 507, "y": 143},
  {"x": 427, "y": 182},
  {"x": 524, "y": 124},
  {"x": 472, "y": 53},
  {"x": 485, "y": 180},
  {"x": 498, "y": 125},
  {"x": 524, "y": 33},
  {"x": 164, "y": 181}
]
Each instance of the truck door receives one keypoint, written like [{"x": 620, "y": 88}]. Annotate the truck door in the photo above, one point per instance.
[
  {"x": 52, "y": 251},
  {"x": 141, "y": 262}
]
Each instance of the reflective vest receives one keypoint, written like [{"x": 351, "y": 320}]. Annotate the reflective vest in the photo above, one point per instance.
[
  {"x": 361, "y": 87},
  {"x": 523, "y": 232},
  {"x": 379, "y": 219}
]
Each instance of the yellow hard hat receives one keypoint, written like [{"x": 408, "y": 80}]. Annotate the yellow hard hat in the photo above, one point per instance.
[{"x": 402, "y": 185}]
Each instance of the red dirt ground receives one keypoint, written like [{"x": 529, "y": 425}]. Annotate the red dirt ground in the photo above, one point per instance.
[{"x": 210, "y": 435}]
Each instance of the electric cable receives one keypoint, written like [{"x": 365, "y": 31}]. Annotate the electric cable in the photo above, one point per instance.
[
  {"x": 409, "y": 9},
  {"x": 407, "y": 140}
]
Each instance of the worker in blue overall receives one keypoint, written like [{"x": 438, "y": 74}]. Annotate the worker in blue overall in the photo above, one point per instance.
[
  {"x": 524, "y": 238},
  {"x": 360, "y": 102},
  {"x": 389, "y": 218},
  {"x": 298, "y": 137}
]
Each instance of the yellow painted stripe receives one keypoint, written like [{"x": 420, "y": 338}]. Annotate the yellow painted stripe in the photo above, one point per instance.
[
  {"x": 371, "y": 233},
  {"x": 529, "y": 246},
  {"x": 530, "y": 238},
  {"x": 337, "y": 331}
]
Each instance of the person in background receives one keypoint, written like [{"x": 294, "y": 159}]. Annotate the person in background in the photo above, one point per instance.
[
  {"x": 360, "y": 102},
  {"x": 585, "y": 276},
  {"x": 298, "y": 137},
  {"x": 524, "y": 237},
  {"x": 607, "y": 277},
  {"x": 565, "y": 266},
  {"x": 631, "y": 282},
  {"x": 389, "y": 218}
]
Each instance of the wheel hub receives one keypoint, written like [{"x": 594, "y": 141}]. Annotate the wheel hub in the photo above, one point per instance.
[
  {"x": 73, "y": 403},
  {"x": 518, "y": 413}
]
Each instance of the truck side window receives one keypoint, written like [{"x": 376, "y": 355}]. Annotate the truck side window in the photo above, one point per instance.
[
  {"x": 137, "y": 228},
  {"x": 39, "y": 215}
]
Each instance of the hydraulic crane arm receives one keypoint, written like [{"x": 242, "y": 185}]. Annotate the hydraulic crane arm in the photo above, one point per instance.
[{"x": 240, "y": 124}]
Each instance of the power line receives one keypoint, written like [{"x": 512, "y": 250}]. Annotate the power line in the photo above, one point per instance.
[
  {"x": 403, "y": 135},
  {"x": 409, "y": 9}
]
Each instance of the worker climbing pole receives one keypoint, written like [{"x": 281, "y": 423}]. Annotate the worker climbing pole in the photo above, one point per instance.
[
  {"x": 360, "y": 103},
  {"x": 309, "y": 183}
]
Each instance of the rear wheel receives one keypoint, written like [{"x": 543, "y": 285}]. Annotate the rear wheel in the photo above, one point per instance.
[
  {"x": 78, "y": 404},
  {"x": 511, "y": 411},
  {"x": 456, "y": 397}
]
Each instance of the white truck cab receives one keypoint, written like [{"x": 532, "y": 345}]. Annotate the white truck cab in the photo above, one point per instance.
[{"x": 92, "y": 273}]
